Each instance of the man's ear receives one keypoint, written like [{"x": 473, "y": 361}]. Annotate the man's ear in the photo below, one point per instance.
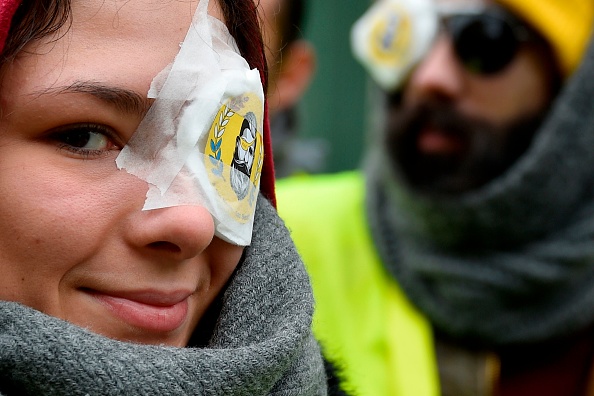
[{"x": 297, "y": 67}]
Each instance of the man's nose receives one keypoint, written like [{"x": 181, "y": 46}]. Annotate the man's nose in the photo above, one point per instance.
[{"x": 439, "y": 76}]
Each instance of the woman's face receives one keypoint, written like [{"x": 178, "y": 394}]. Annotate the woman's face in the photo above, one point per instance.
[{"x": 75, "y": 243}]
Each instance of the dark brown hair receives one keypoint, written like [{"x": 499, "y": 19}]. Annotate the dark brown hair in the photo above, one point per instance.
[
  {"x": 292, "y": 22},
  {"x": 33, "y": 20}
]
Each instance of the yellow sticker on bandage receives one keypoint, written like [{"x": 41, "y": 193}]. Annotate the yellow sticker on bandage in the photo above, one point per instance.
[{"x": 234, "y": 156}]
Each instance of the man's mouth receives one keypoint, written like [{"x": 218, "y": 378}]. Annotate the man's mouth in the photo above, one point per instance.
[
  {"x": 437, "y": 142},
  {"x": 439, "y": 151}
]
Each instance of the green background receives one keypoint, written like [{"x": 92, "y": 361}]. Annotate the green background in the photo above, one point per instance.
[{"x": 333, "y": 107}]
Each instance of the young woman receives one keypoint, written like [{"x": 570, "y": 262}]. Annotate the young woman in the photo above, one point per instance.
[{"x": 131, "y": 149}]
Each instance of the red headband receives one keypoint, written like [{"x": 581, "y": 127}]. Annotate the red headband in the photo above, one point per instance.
[
  {"x": 7, "y": 10},
  {"x": 9, "y": 7},
  {"x": 267, "y": 178}
]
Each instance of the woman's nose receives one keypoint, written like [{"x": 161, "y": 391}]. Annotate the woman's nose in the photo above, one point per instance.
[
  {"x": 439, "y": 75},
  {"x": 180, "y": 232}
]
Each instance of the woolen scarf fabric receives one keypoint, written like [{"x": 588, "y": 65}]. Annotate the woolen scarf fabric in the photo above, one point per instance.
[
  {"x": 262, "y": 343},
  {"x": 511, "y": 262}
]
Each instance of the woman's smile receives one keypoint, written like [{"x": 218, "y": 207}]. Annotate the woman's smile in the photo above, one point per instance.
[{"x": 151, "y": 311}]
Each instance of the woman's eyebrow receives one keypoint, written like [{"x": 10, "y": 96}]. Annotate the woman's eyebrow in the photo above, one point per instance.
[{"x": 123, "y": 99}]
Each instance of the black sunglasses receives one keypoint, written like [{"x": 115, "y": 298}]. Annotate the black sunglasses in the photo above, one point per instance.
[{"x": 487, "y": 41}]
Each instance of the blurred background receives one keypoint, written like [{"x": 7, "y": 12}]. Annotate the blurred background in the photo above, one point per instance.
[{"x": 332, "y": 111}]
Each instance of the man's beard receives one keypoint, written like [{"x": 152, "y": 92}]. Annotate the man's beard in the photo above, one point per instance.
[{"x": 486, "y": 150}]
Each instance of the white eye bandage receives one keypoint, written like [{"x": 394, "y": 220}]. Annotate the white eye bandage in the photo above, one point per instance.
[
  {"x": 201, "y": 141},
  {"x": 392, "y": 37}
]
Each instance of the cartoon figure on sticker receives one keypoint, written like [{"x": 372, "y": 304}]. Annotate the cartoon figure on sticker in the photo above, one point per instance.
[
  {"x": 234, "y": 154},
  {"x": 243, "y": 157}
]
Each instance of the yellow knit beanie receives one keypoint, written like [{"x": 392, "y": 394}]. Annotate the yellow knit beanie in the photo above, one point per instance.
[{"x": 565, "y": 24}]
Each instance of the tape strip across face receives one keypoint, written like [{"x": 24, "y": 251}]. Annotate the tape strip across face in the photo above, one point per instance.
[{"x": 201, "y": 141}]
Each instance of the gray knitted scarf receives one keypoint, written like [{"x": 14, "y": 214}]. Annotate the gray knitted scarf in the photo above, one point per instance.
[
  {"x": 514, "y": 261},
  {"x": 261, "y": 345}
]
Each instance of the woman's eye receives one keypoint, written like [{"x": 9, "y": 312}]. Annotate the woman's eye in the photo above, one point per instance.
[{"x": 85, "y": 139}]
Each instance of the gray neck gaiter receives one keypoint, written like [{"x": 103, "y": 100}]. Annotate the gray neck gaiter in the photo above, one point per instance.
[
  {"x": 262, "y": 342},
  {"x": 513, "y": 261}
]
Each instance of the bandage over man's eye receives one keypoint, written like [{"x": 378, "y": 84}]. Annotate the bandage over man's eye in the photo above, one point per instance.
[
  {"x": 201, "y": 141},
  {"x": 392, "y": 37}
]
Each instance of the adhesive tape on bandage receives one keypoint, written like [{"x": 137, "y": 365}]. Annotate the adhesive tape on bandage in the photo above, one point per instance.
[
  {"x": 201, "y": 141},
  {"x": 392, "y": 37}
]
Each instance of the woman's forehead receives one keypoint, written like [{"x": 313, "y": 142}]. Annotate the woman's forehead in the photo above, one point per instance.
[
  {"x": 126, "y": 32},
  {"x": 129, "y": 16},
  {"x": 118, "y": 14}
]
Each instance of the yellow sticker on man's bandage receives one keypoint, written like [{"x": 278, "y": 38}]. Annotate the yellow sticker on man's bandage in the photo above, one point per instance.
[{"x": 391, "y": 35}]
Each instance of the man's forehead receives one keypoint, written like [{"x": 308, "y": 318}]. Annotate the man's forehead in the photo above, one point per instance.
[
  {"x": 456, "y": 3},
  {"x": 462, "y": 4}
]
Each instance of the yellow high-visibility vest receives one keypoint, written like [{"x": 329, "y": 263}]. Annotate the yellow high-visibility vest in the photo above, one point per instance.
[{"x": 366, "y": 325}]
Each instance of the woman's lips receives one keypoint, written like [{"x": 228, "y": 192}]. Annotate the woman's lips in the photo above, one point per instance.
[{"x": 150, "y": 311}]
